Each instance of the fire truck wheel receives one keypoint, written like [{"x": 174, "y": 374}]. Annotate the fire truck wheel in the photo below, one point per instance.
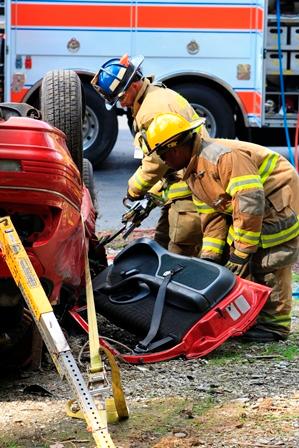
[
  {"x": 100, "y": 128},
  {"x": 211, "y": 105},
  {"x": 87, "y": 176},
  {"x": 61, "y": 106}
]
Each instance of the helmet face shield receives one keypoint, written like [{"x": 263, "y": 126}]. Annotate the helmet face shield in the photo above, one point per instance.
[{"x": 114, "y": 78}]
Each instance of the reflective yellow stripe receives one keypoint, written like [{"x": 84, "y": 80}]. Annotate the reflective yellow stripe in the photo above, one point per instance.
[
  {"x": 244, "y": 236},
  {"x": 177, "y": 190},
  {"x": 195, "y": 116},
  {"x": 268, "y": 166},
  {"x": 243, "y": 183},
  {"x": 140, "y": 183},
  {"x": 213, "y": 244},
  {"x": 202, "y": 207},
  {"x": 230, "y": 238},
  {"x": 263, "y": 240},
  {"x": 144, "y": 148},
  {"x": 253, "y": 181},
  {"x": 280, "y": 237},
  {"x": 182, "y": 102}
]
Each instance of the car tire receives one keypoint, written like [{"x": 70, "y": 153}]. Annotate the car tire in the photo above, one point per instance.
[
  {"x": 100, "y": 128},
  {"x": 61, "y": 106},
  {"x": 88, "y": 179},
  {"x": 210, "y": 104}
]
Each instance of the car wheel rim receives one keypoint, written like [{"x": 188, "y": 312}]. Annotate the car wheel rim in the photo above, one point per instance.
[
  {"x": 90, "y": 128},
  {"x": 210, "y": 123}
]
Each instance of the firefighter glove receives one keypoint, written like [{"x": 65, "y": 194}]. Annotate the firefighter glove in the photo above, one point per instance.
[
  {"x": 238, "y": 262},
  {"x": 132, "y": 196}
]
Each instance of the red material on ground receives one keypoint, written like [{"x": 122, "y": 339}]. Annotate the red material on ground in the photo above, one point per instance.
[{"x": 233, "y": 316}]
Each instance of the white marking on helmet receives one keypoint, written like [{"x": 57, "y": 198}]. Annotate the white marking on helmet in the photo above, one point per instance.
[
  {"x": 114, "y": 85},
  {"x": 115, "y": 82}
]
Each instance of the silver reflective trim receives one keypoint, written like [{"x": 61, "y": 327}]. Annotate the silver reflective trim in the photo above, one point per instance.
[
  {"x": 53, "y": 333},
  {"x": 252, "y": 202},
  {"x": 212, "y": 151},
  {"x": 242, "y": 304},
  {"x": 233, "y": 312}
]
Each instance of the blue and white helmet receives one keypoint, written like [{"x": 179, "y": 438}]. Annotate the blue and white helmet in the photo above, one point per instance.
[{"x": 115, "y": 77}]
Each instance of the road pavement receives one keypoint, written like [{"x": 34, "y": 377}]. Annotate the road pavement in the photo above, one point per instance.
[{"x": 111, "y": 182}]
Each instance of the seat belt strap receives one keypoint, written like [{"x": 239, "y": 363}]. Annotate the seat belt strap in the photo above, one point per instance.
[{"x": 158, "y": 310}]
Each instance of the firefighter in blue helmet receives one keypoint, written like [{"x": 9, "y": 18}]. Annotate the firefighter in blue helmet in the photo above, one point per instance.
[
  {"x": 178, "y": 228},
  {"x": 115, "y": 77}
]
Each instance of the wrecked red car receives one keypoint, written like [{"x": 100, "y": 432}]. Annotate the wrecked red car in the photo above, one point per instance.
[{"x": 42, "y": 189}]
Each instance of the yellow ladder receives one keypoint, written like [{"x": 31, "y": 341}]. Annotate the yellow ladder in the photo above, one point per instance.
[{"x": 28, "y": 282}]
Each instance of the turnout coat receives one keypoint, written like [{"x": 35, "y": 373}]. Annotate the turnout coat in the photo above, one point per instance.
[{"x": 247, "y": 195}]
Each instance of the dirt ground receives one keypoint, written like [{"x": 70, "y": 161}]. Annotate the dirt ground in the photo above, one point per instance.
[{"x": 241, "y": 395}]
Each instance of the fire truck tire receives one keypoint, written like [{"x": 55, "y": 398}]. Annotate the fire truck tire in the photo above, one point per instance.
[
  {"x": 209, "y": 103},
  {"x": 100, "y": 128},
  {"x": 87, "y": 176},
  {"x": 61, "y": 106}
]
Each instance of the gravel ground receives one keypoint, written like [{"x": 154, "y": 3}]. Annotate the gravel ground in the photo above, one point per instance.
[{"x": 256, "y": 384}]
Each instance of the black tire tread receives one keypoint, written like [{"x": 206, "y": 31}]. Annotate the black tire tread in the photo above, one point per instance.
[
  {"x": 88, "y": 179},
  {"x": 61, "y": 102},
  {"x": 213, "y": 100},
  {"x": 108, "y": 128}
]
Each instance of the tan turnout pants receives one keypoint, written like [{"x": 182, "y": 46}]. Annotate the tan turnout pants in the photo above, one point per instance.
[
  {"x": 273, "y": 267},
  {"x": 179, "y": 228}
]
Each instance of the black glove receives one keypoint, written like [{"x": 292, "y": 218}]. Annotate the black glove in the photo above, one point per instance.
[{"x": 238, "y": 262}]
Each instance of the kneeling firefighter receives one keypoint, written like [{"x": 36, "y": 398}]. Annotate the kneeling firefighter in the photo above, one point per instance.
[
  {"x": 121, "y": 80},
  {"x": 248, "y": 196}
]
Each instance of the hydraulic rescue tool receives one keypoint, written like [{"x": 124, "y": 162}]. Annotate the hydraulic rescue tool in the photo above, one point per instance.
[
  {"x": 28, "y": 282},
  {"x": 133, "y": 217}
]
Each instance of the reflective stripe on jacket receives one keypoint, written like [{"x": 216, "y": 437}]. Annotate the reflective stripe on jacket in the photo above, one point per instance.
[{"x": 257, "y": 187}]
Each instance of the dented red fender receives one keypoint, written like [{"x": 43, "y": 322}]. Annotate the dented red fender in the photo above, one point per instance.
[{"x": 40, "y": 183}]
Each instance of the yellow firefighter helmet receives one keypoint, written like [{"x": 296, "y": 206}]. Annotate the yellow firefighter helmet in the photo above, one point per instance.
[{"x": 166, "y": 131}]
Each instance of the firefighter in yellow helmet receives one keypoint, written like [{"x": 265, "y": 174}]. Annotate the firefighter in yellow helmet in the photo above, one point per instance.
[
  {"x": 178, "y": 228},
  {"x": 249, "y": 198}
]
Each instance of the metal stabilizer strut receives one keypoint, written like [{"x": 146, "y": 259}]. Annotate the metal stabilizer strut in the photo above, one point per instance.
[{"x": 26, "y": 279}]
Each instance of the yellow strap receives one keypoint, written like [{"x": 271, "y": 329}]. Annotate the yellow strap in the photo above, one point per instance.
[
  {"x": 117, "y": 390},
  {"x": 96, "y": 364}
]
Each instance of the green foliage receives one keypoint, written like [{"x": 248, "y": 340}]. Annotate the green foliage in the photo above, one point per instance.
[
  {"x": 202, "y": 406},
  {"x": 286, "y": 351},
  {"x": 7, "y": 444}
]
